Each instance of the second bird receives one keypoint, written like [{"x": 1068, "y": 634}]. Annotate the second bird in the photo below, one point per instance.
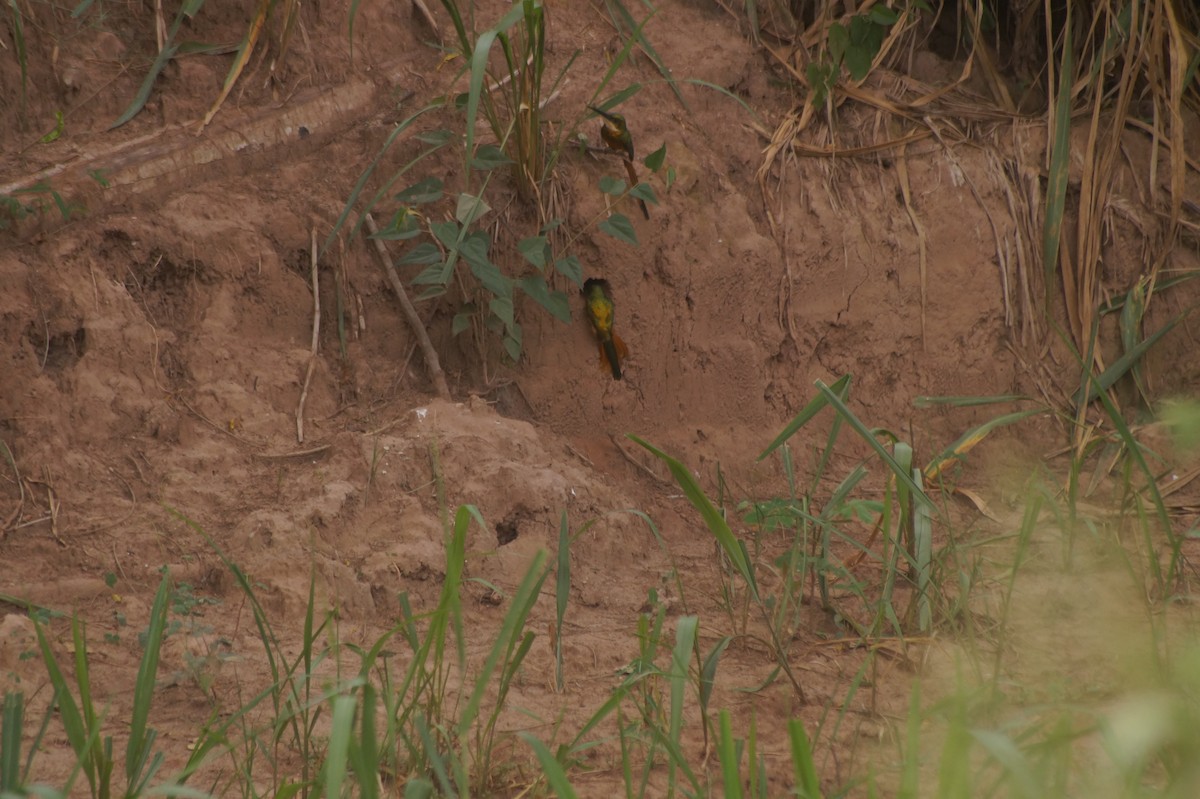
[
  {"x": 614, "y": 132},
  {"x": 597, "y": 296}
]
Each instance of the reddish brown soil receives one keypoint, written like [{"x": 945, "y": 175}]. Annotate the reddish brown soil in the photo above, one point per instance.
[{"x": 155, "y": 346}]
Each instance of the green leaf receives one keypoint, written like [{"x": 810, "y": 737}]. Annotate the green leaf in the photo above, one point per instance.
[
  {"x": 470, "y": 209},
  {"x": 489, "y": 156},
  {"x": 858, "y": 62},
  {"x": 435, "y": 138},
  {"x": 644, "y": 191},
  {"x": 571, "y": 268},
  {"x": 461, "y": 321},
  {"x": 1124, "y": 363},
  {"x": 435, "y": 274},
  {"x": 424, "y": 253},
  {"x": 553, "y": 301},
  {"x": 512, "y": 343},
  {"x": 839, "y": 40},
  {"x": 502, "y": 307},
  {"x": 446, "y": 233},
  {"x": 1060, "y": 160},
  {"x": 404, "y": 226},
  {"x": 555, "y": 776},
  {"x": 424, "y": 191},
  {"x": 536, "y": 250},
  {"x": 655, "y": 160},
  {"x": 840, "y": 387},
  {"x": 141, "y": 738},
  {"x": 808, "y": 785},
  {"x": 59, "y": 125},
  {"x": 612, "y": 186},
  {"x": 143, "y": 93},
  {"x": 475, "y": 248},
  {"x": 882, "y": 15},
  {"x": 418, "y": 788},
  {"x": 619, "y": 227},
  {"x": 713, "y": 518},
  {"x": 492, "y": 279}
]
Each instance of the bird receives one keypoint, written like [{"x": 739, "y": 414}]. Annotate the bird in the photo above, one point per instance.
[
  {"x": 614, "y": 132},
  {"x": 597, "y": 295}
]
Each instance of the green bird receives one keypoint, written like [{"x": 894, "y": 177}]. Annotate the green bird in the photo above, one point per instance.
[
  {"x": 597, "y": 295},
  {"x": 615, "y": 133},
  {"x": 616, "y": 136}
]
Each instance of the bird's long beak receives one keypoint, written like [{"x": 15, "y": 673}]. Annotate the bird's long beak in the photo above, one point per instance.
[{"x": 604, "y": 114}]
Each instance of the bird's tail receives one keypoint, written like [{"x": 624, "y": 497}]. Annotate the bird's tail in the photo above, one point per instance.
[
  {"x": 612, "y": 352},
  {"x": 633, "y": 181}
]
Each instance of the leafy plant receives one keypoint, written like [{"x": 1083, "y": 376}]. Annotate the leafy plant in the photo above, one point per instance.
[
  {"x": 34, "y": 201},
  {"x": 853, "y": 45}
]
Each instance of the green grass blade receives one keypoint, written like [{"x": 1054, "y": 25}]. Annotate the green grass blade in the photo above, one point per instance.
[
  {"x": 508, "y": 637},
  {"x": 436, "y": 761},
  {"x": 479, "y": 64},
  {"x": 18, "y": 27},
  {"x": 562, "y": 595},
  {"x": 1016, "y": 765},
  {"x": 338, "y": 751},
  {"x": 840, "y": 387},
  {"x": 141, "y": 739},
  {"x": 685, "y": 644},
  {"x": 968, "y": 402},
  {"x": 87, "y": 707},
  {"x": 712, "y": 517},
  {"x": 617, "y": 62},
  {"x": 727, "y": 755},
  {"x": 808, "y": 785},
  {"x": 1060, "y": 162},
  {"x": 923, "y": 553},
  {"x": 188, "y": 10},
  {"x": 836, "y": 502},
  {"x": 1164, "y": 519},
  {"x": 143, "y": 93},
  {"x": 708, "y": 671},
  {"x": 350, "y": 17},
  {"x": 553, "y": 770},
  {"x": 12, "y": 723},
  {"x": 831, "y": 396},
  {"x": 618, "y": 9},
  {"x": 722, "y": 90},
  {"x": 1127, "y": 361},
  {"x": 972, "y": 437},
  {"x": 78, "y": 734},
  {"x": 611, "y": 704}
]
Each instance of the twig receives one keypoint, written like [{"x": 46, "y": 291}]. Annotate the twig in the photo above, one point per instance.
[
  {"x": 630, "y": 458},
  {"x": 211, "y": 423},
  {"x": 283, "y": 456},
  {"x": 410, "y": 313},
  {"x": 429, "y": 20},
  {"x": 316, "y": 337},
  {"x": 52, "y": 502},
  {"x": 16, "y": 514}
]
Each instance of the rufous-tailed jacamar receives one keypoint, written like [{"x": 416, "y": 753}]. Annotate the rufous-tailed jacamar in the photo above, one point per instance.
[
  {"x": 615, "y": 134},
  {"x": 597, "y": 295}
]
